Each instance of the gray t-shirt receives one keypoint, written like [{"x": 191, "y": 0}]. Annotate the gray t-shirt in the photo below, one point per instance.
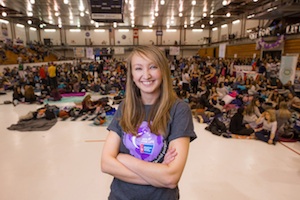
[{"x": 151, "y": 148}]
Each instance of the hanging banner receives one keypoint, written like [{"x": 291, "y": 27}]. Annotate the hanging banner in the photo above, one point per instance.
[
  {"x": 79, "y": 52},
  {"x": 135, "y": 33},
  {"x": 174, "y": 51},
  {"x": 4, "y": 31},
  {"x": 119, "y": 50},
  {"x": 18, "y": 41},
  {"x": 90, "y": 52},
  {"x": 287, "y": 70},
  {"x": 260, "y": 43},
  {"x": 222, "y": 50}
]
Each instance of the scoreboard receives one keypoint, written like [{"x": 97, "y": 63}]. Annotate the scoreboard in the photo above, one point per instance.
[{"x": 107, "y": 10}]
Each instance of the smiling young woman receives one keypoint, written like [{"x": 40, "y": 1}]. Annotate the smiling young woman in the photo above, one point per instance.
[{"x": 148, "y": 140}]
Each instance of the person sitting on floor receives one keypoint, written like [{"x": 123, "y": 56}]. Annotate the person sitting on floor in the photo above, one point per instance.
[
  {"x": 55, "y": 95},
  {"x": 17, "y": 95},
  {"x": 236, "y": 125},
  {"x": 88, "y": 106},
  {"x": 283, "y": 115},
  {"x": 251, "y": 113},
  {"x": 29, "y": 95},
  {"x": 267, "y": 132},
  {"x": 293, "y": 102}
]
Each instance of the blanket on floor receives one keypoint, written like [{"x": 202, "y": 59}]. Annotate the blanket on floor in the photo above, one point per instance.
[
  {"x": 73, "y": 94},
  {"x": 66, "y": 100},
  {"x": 41, "y": 124}
]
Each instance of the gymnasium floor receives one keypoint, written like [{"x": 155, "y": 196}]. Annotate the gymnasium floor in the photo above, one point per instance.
[{"x": 64, "y": 164}]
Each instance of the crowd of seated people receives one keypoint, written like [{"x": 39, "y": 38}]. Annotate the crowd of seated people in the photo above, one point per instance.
[
  {"x": 251, "y": 105},
  {"x": 38, "y": 53},
  {"x": 210, "y": 86},
  {"x": 105, "y": 77}
]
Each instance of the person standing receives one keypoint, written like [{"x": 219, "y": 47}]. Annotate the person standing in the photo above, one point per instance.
[
  {"x": 42, "y": 74},
  {"x": 186, "y": 80},
  {"x": 52, "y": 76},
  {"x": 148, "y": 141}
]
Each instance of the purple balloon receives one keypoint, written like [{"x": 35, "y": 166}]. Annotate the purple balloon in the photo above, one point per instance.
[{"x": 146, "y": 145}]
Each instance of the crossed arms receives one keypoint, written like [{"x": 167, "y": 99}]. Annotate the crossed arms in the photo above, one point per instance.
[{"x": 130, "y": 169}]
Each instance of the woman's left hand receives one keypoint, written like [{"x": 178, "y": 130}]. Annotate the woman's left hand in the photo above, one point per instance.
[{"x": 170, "y": 156}]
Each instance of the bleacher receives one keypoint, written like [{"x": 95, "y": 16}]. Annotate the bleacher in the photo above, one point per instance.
[{"x": 12, "y": 57}]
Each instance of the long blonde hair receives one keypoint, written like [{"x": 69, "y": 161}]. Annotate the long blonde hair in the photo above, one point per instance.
[
  {"x": 283, "y": 110},
  {"x": 272, "y": 115},
  {"x": 133, "y": 110}
]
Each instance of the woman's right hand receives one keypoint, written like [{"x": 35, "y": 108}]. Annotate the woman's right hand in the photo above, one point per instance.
[{"x": 170, "y": 156}]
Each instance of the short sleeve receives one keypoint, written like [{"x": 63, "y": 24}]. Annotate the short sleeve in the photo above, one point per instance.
[
  {"x": 181, "y": 122},
  {"x": 114, "y": 124}
]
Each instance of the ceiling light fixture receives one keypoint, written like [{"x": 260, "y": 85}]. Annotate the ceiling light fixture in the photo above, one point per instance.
[
  {"x": 228, "y": 14},
  {"x": 271, "y": 9},
  {"x": 197, "y": 30},
  {"x": 4, "y": 21},
  {"x": 20, "y": 25},
  {"x": 224, "y": 26},
  {"x": 32, "y": 1},
  {"x": 66, "y": 1},
  {"x": 29, "y": 22},
  {"x": 236, "y": 21},
  {"x": 4, "y": 14},
  {"x": 214, "y": 29},
  {"x": 59, "y": 25},
  {"x": 49, "y": 30},
  {"x": 211, "y": 22},
  {"x": 81, "y": 8},
  {"x": 180, "y": 14},
  {"x": 185, "y": 26},
  {"x": 81, "y": 14},
  {"x": 224, "y": 3},
  {"x": 250, "y": 16},
  {"x": 32, "y": 28},
  {"x": 193, "y": 2},
  {"x": 30, "y": 14},
  {"x": 162, "y": 2},
  {"x": 202, "y": 26},
  {"x": 204, "y": 14},
  {"x": 147, "y": 30}
]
